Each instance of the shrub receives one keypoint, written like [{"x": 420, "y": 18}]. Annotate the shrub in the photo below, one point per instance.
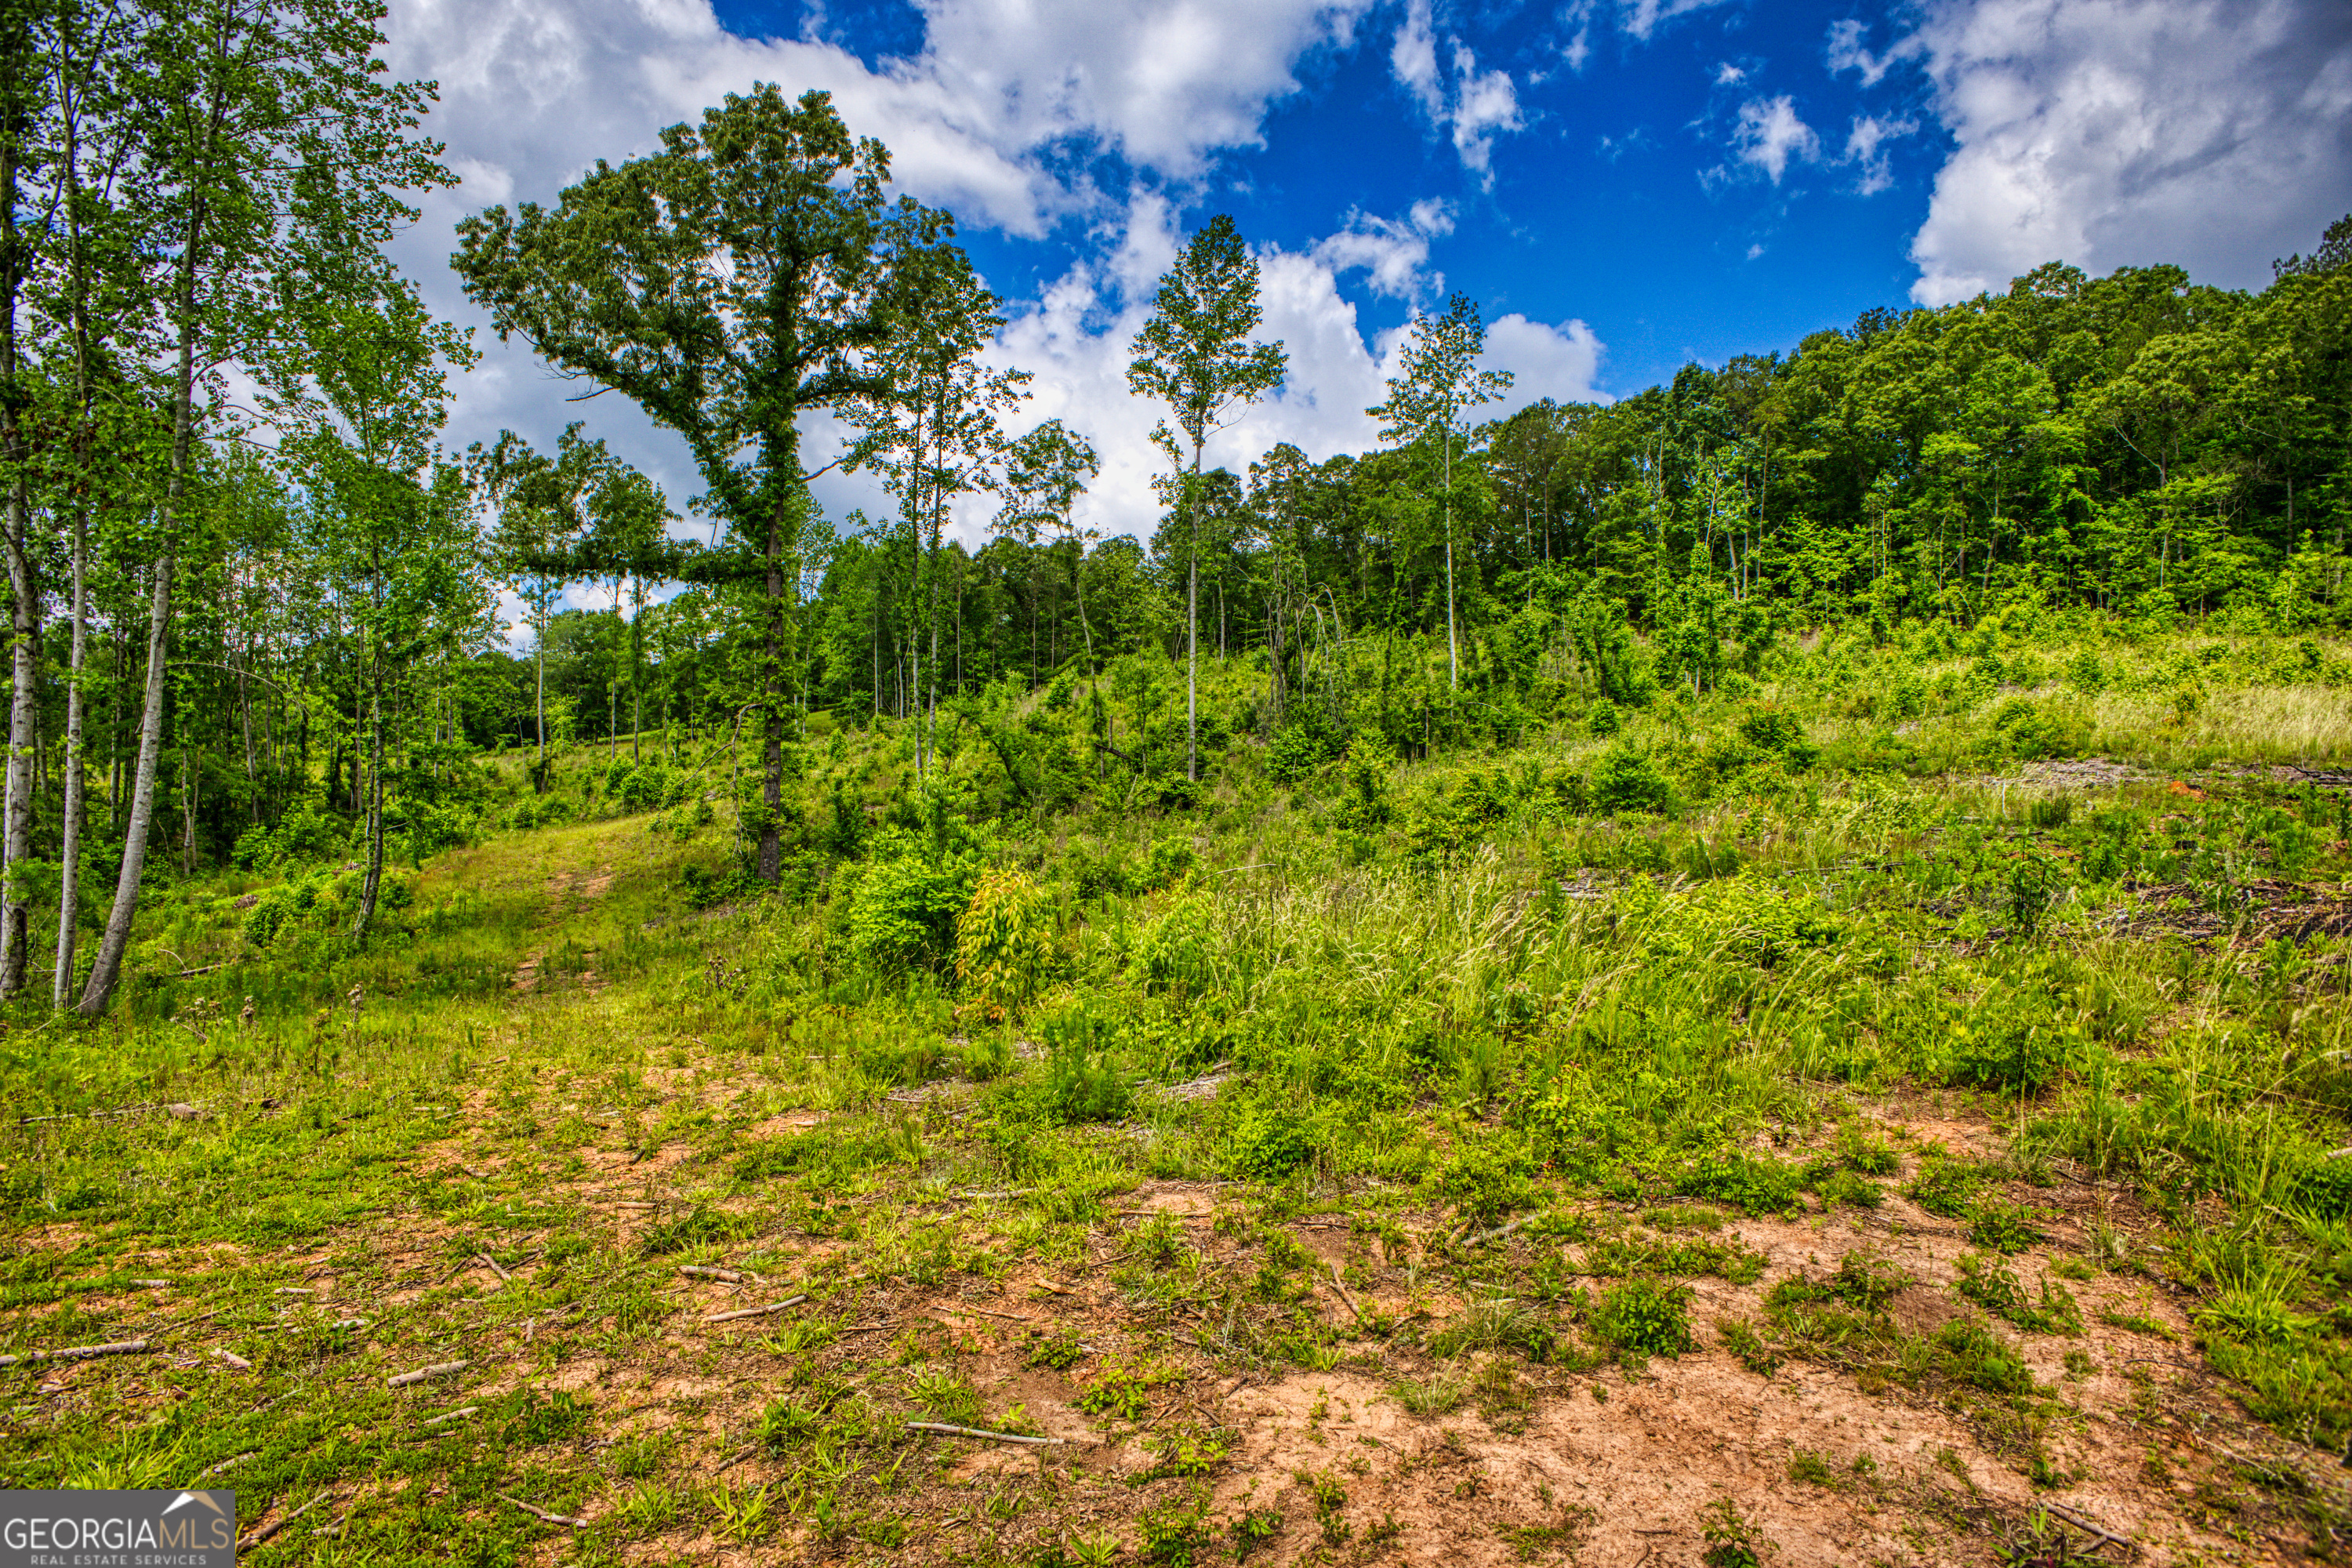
[
  {"x": 1176, "y": 954},
  {"x": 905, "y": 908},
  {"x": 1643, "y": 1318},
  {"x": 2324, "y": 1188},
  {"x": 1003, "y": 938},
  {"x": 1758, "y": 1186},
  {"x": 1627, "y": 780},
  {"x": 1270, "y": 1143}
]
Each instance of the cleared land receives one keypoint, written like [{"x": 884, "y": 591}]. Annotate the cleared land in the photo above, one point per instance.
[{"x": 1894, "y": 1151}]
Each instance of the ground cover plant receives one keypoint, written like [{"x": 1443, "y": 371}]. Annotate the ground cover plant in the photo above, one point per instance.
[{"x": 1842, "y": 1162}]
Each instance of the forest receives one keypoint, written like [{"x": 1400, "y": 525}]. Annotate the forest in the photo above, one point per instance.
[{"x": 1831, "y": 867}]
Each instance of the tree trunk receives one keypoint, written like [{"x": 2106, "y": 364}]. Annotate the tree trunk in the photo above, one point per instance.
[
  {"x": 23, "y": 717},
  {"x": 374, "y": 879},
  {"x": 106, "y": 972},
  {"x": 70, "y": 851},
  {"x": 1193, "y": 625}
]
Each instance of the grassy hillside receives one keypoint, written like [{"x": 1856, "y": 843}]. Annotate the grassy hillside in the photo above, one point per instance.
[{"x": 1896, "y": 1113}]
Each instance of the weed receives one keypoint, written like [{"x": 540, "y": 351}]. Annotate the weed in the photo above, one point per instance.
[
  {"x": 1643, "y": 1318},
  {"x": 1733, "y": 1540}
]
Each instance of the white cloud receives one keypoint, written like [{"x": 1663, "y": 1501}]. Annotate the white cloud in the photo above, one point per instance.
[
  {"x": 1769, "y": 134},
  {"x": 1640, "y": 18},
  {"x": 1476, "y": 105},
  {"x": 1847, "y": 52},
  {"x": 1076, "y": 341},
  {"x": 1866, "y": 144},
  {"x": 1486, "y": 105},
  {"x": 1413, "y": 59},
  {"x": 1394, "y": 252},
  {"x": 1754, "y": 251},
  {"x": 1730, "y": 75},
  {"x": 2214, "y": 134},
  {"x": 1004, "y": 101}
]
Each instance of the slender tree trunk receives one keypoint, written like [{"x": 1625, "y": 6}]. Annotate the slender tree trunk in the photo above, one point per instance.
[
  {"x": 374, "y": 877},
  {"x": 540, "y": 655},
  {"x": 1453, "y": 647},
  {"x": 1193, "y": 625},
  {"x": 24, "y": 718}
]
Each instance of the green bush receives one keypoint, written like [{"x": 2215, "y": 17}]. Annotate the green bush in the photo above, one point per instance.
[
  {"x": 1643, "y": 1318},
  {"x": 1757, "y": 1186},
  {"x": 1626, "y": 779},
  {"x": 1271, "y": 1142},
  {"x": 1176, "y": 954},
  {"x": 903, "y": 911}
]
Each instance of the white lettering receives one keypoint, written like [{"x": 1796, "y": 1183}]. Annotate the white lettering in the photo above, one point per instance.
[{"x": 16, "y": 1535}]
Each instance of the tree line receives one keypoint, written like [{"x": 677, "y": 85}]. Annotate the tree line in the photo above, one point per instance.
[{"x": 250, "y": 586}]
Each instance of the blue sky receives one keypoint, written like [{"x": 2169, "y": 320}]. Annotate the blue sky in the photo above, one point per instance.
[{"x": 1623, "y": 186}]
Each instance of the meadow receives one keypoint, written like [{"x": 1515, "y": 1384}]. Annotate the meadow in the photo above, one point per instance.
[{"x": 1891, "y": 1109}]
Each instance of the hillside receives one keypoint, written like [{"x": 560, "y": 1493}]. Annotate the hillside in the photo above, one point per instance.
[{"x": 1889, "y": 1109}]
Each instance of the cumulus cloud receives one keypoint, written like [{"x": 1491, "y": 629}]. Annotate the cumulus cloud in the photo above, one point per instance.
[
  {"x": 2215, "y": 133},
  {"x": 1001, "y": 114},
  {"x": 1848, "y": 53},
  {"x": 1769, "y": 134},
  {"x": 1476, "y": 106},
  {"x": 1730, "y": 75},
  {"x": 1075, "y": 340},
  {"x": 1865, "y": 145}
]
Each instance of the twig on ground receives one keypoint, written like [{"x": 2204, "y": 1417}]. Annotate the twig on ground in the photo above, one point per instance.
[
  {"x": 424, "y": 1373},
  {"x": 735, "y": 1458},
  {"x": 457, "y": 1415},
  {"x": 226, "y": 1464},
  {"x": 1008, "y": 1316},
  {"x": 543, "y": 1513},
  {"x": 1500, "y": 1231},
  {"x": 753, "y": 1311},
  {"x": 235, "y": 1360},
  {"x": 266, "y": 1530},
  {"x": 732, "y": 1277},
  {"x": 493, "y": 1265},
  {"x": 2079, "y": 1522},
  {"x": 1341, "y": 1286},
  {"x": 947, "y": 1431},
  {"x": 76, "y": 1353}
]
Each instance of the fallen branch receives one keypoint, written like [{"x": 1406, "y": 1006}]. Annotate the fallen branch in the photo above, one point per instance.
[
  {"x": 492, "y": 1264},
  {"x": 2079, "y": 1522},
  {"x": 149, "y": 1284},
  {"x": 543, "y": 1513},
  {"x": 76, "y": 1353},
  {"x": 458, "y": 1414},
  {"x": 226, "y": 1464},
  {"x": 424, "y": 1373},
  {"x": 1500, "y": 1231},
  {"x": 235, "y": 1360},
  {"x": 697, "y": 1271},
  {"x": 1007, "y": 1193},
  {"x": 945, "y": 1430},
  {"x": 753, "y": 1311},
  {"x": 733, "y": 1459},
  {"x": 266, "y": 1530},
  {"x": 1341, "y": 1286},
  {"x": 351, "y": 1322},
  {"x": 87, "y": 1115}
]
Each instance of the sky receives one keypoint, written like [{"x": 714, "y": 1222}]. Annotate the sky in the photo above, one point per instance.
[{"x": 1622, "y": 187}]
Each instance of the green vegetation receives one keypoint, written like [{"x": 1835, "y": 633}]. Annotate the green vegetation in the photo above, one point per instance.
[{"x": 1580, "y": 879}]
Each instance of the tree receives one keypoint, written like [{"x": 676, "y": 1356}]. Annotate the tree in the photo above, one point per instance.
[
  {"x": 1194, "y": 354},
  {"x": 934, "y": 433},
  {"x": 271, "y": 163},
  {"x": 541, "y": 507},
  {"x": 1440, "y": 384},
  {"x": 1046, "y": 472},
  {"x": 394, "y": 526},
  {"x": 726, "y": 284}
]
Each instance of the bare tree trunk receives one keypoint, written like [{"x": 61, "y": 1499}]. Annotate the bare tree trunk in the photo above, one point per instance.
[
  {"x": 70, "y": 851},
  {"x": 106, "y": 972},
  {"x": 1192, "y": 626},
  {"x": 374, "y": 879},
  {"x": 24, "y": 716}
]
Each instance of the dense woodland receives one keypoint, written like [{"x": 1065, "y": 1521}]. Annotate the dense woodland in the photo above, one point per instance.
[{"x": 254, "y": 592}]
